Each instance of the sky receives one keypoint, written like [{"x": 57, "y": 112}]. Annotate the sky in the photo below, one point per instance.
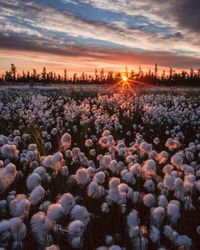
[{"x": 86, "y": 34}]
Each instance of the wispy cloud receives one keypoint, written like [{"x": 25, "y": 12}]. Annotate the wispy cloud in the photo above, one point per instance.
[{"x": 36, "y": 26}]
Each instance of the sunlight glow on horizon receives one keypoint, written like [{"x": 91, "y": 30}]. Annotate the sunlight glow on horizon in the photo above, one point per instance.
[{"x": 27, "y": 61}]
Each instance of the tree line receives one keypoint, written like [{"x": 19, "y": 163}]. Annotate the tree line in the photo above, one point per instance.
[{"x": 166, "y": 77}]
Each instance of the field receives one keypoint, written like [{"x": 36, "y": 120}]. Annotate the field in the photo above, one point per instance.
[{"x": 92, "y": 167}]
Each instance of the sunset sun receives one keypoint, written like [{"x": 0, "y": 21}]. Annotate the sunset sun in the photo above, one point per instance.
[{"x": 124, "y": 79}]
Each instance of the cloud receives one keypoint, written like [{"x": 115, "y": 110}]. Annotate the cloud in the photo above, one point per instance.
[
  {"x": 95, "y": 55},
  {"x": 48, "y": 22},
  {"x": 187, "y": 14},
  {"x": 184, "y": 14},
  {"x": 33, "y": 27},
  {"x": 144, "y": 8}
]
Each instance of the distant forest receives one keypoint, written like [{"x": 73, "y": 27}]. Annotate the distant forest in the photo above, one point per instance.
[{"x": 166, "y": 78}]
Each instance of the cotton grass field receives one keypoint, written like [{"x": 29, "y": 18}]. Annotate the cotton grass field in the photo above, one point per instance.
[{"x": 90, "y": 167}]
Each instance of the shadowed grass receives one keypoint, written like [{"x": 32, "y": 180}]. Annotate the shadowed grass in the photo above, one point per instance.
[{"x": 36, "y": 136}]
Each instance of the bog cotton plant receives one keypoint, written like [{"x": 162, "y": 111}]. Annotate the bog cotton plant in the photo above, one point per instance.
[
  {"x": 41, "y": 171},
  {"x": 149, "y": 168},
  {"x": 4, "y": 232},
  {"x": 82, "y": 177},
  {"x": 37, "y": 195},
  {"x": 136, "y": 239},
  {"x": 162, "y": 157},
  {"x": 33, "y": 181},
  {"x": 75, "y": 231},
  {"x": 65, "y": 141},
  {"x": 67, "y": 202},
  {"x": 19, "y": 207},
  {"x": 55, "y": 212},
  {"x": 177, "y": 160},
  {"x": 155, "y": 234},
  {"x": 88, "y": 143},
  {"x": 105, "y": 161},
  {"x": 145, "y": 148},
  {"x": 40, "y": 226},
  {"x": 9, "y": 151},
  {"x": 168, "y": 182},
  {"x": 18, "y": 232},
  {"x": 95, "y": 191},
  {"x": 148, "y": 200},
  {"x": 157, "y": 215},
  {"x": 162, "y": 201},
  {"x": 173, "y": 211},
  {"x": 80, "y": 213},
  {"x": 128, "y": 152},
  {"x": 7, "y": 176}
]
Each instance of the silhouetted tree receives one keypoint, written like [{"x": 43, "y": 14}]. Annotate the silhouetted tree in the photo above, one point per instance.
[
  {"x": 102, "y": 75},
  {"x": 170, "y": 73},
  {"x": 8, "y": 76},
  {"x": 28, "y": 76},
  {"x": 44, "y": 74},
  {"x": 156, "y": 70},
  {"x": 65, "y": 75},
  {"x": 74, "y": 77},
  {"x": 191, "y": 77},
  {"x": 13, "y": 71},
  {"x": 34, "y": 75}
]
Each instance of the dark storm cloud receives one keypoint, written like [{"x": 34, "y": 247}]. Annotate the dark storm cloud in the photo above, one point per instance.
[{"x": 187, "y": 13}]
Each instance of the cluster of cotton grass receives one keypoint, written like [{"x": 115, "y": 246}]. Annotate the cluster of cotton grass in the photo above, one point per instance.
[{"x": 102, "y": 172}]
